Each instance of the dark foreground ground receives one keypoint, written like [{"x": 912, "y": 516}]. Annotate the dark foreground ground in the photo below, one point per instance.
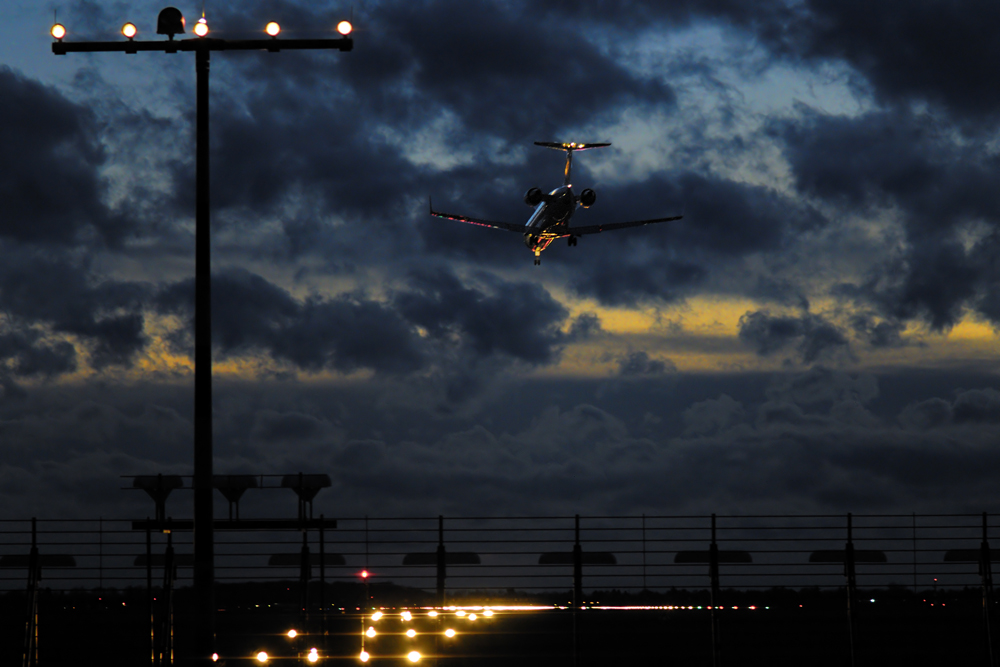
[{"x": 785, "y": 628}]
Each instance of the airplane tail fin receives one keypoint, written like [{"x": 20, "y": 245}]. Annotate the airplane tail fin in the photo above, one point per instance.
[{"x": 569, "y": 148}]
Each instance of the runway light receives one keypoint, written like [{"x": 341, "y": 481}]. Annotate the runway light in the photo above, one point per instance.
[
  {"x": 129, "y": 30},
  {"x": 432, "y": 614},
  {"x": 377, "y": 615},
  {"x": 472, "y": 617},
  {"x": 413, "y": 656},
  {"x": 272, "y": 29},
  {"x": 449, "y": 633},
  {"x": 364, "y": 656},
  {"x": 407, "y": 616},
  {"x": 58, "y": 31},
  {"x": 201, "y": 27},
  {"x": 292, "y": 634},
  {"x": 345, "y": 28},
  {"x": 371, "y": 632},
  {"x": 459, "y": 613},
  {"x": 262, "y": 657},
  {"x": 488, "y": 612},
  {"x": 411, "y": 633}
]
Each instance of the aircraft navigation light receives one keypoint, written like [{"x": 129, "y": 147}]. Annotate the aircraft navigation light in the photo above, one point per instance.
[
  {"x": 407, "y": 616},
  {"x": 272, "y": 29},
  {"x": 292, "y": 634},
  {"x": 449, "y": 633},
  {"x": 58, "y": 31},
  {"x": 370, "y": 632},
  {"x": 262, "y": 657},
  {"x": 377, "y": 615},
  {"x": 129, "y": 30},
  {"x": 364, "y": 656},
  {"x": 411, "y": 633},
  {"x": 201, "y": 27},
  {"x": 345, "y": 28},
  {"x": 413, "y": 656}
]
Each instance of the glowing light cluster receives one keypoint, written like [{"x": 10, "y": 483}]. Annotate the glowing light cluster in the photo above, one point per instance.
[
  {"x": 201, "y": 27},
  {"x": 313, "y": 655},
  {"x": 262, "y": 657}
]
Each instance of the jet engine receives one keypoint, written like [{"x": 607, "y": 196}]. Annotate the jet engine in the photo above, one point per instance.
[
  {"x": 533, "y": 197},
  {"x": 587, "y": 198}
]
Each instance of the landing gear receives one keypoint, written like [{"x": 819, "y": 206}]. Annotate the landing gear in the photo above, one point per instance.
[
  {"x": 571, "y": 241},
  {"x": 538, "y": 257}
]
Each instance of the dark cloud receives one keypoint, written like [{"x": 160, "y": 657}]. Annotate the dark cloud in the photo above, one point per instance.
[
  {"x": 30, "y": 354},
  {"x": 49, "y": 171},
  {"x": 812, "y": 336},
  {"x": 637, "y": 364}
]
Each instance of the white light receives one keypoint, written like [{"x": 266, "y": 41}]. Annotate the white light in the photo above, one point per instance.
[
  {"x": 272, "y": 29},
  {"x": 449, "y": 633},
  {"x": 129, "y": 30},
  {"x": 411, "y": 633},
  {"x": 345, "y": 28},
  {"x": 201, "y": 27},
  {"x": 262, "y": 657},
  {"x": 488, "y": 612},
  {"x": 313, "y": 656},
  {"x": 459, "y": 613},
  {"x": 432, "y": 614},
  {"x": 215, "y": 657},
  {"x": 407, "y": 616},
  {"x": 364, "y": 656},
  {"x": 58, "y": 31},
  {"x": 377, "y": 615},
  {"x": 371, "y": 632},
  {"x": 472, "y": 617},
  {"x": 292, "y": 634},
  {"x": 413, "y": 656}
]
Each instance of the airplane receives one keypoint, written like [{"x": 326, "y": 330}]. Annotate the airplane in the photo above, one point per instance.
[{"x": 550, "y": 220}]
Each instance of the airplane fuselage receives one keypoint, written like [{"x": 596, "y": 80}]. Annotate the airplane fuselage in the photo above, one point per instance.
[{"x": 550, "y": 219}]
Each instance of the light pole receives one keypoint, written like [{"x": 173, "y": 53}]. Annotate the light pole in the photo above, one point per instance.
[{"x": 170, "y": 22}]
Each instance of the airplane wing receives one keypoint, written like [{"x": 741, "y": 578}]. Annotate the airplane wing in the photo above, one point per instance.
[
  {"x": 509, "y": 226},
  {"x": 597, "y": 229}
]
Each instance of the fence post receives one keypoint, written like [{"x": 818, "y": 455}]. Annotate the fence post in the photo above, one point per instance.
[
  {"x": 716, "y": 595},
  {"x": 442, "y": 560},
  {"x": 322, "y": 582},
  {"x": 30, "y": 654},
  {"x": 986, "y": 573},
  {"x": 852, "y": 586},
  {"x": 149, "y": 594}
]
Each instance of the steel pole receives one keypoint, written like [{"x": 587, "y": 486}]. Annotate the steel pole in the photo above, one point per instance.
[{"x": 204, "y": 547}]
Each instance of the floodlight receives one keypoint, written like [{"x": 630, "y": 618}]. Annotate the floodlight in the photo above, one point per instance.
[
  {"x": 272, "y": 29},
  {"x": 364, "y": 656},
  {"x": 413, "y": 656},
  {"x": 292, "y": 634},
  {"x": 262, "y": 657},
  {"x": 201, "y": 27},
  {"x": 371, "y": 632},
  {"x": 345, "y": 28},
  {"x": 411, "y": 633},
  {"x": 432, "y": 614},
  {"x": 377, "y": 615},
  {"x": 449, "y": 633},
  {"x": 407, "y": 616},
  {"x": 129, "y": 30},
  {"x": 58, "y": 31}
]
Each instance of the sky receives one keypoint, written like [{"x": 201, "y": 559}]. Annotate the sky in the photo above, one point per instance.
[{"x": 818, "y": 334}]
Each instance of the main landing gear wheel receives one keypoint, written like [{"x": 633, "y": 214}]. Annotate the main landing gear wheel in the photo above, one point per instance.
[
  {"x": 538, "y": 261},
  {"x": 571, "y": 241}
]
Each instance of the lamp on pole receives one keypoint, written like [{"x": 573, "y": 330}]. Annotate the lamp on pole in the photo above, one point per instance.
[{"x": 170, "y": 22}]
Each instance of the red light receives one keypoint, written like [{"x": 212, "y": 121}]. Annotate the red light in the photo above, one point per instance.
[{"x": 364, "y": 574}]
